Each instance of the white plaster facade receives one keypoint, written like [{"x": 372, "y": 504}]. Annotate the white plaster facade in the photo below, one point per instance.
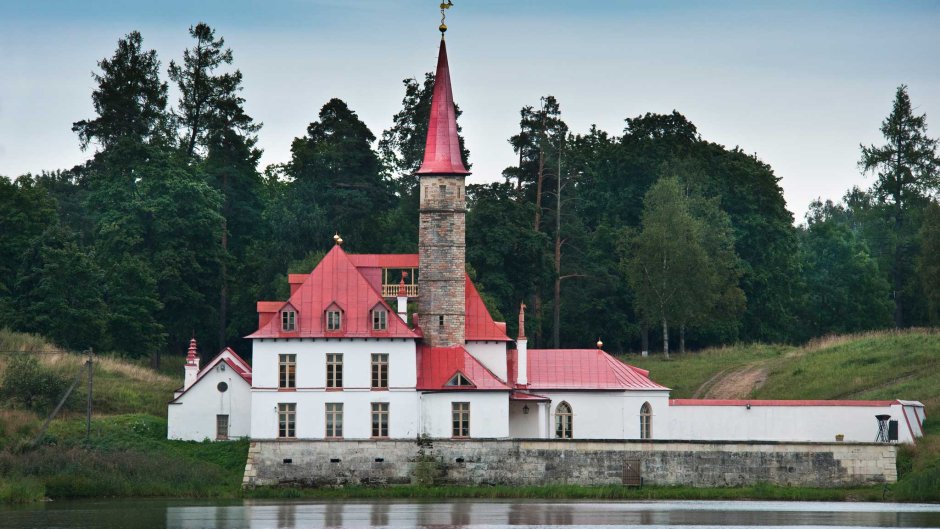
[
  {"x": 193, "y": 414},
  {"x": 791, "y": 422}
]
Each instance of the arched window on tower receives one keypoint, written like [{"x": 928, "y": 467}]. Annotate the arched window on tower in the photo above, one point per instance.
[
  {"x": 646, "y": 421},
  {"x": 564, "y": 421}
]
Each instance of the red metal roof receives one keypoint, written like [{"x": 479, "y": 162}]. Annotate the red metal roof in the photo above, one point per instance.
[
  {"x": 739, "y": 402},
  {"x": 377, "y": 260},
  {"x": 234, "y": 362},
  {"x": 588, "y": 369},
  {"x": 437, "y": 365},
  {"x": 270, "y": 306},
  {"x": 479, "y": 325},
  {"x": 442, "y": 147},
  {"x": 521, "y": 395},
  {"x": 336, "y": 281}
]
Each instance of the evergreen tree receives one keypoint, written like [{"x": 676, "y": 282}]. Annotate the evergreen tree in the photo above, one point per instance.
[
  {"x": 214, "y": 124},
  {"x": 60, "y": 293},
  {"x": 928, "y": 265},
  {"x": 907, "y": 170},
  {"x": 130, "y": 100},
  {"x": 337, "y": 185},
  {"x": 210, "y": 104}
]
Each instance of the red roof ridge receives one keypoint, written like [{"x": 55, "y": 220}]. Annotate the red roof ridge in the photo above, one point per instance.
[{"x": 770, "y": 402}]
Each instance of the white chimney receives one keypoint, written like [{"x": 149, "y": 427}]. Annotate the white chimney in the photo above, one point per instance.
[
  {"x": 191, "y": 369},
  {"x": 522, "y": 350},
  {"x": 402, "y": 301}
]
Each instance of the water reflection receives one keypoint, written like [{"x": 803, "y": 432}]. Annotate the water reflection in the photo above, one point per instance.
[{"x": 462, "y": 514}]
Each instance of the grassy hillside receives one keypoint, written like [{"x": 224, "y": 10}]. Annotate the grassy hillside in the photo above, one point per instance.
[
  {"x": 127, "y": 453},
  {"x": 880, "y": 365}
]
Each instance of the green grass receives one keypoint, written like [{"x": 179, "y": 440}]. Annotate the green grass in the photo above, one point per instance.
[
  {"x": 573, "y": 492},
  {"x": 686, "y": 373}
]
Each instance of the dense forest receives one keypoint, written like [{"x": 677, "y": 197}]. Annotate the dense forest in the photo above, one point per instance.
[{"x": 171, "y": 229}]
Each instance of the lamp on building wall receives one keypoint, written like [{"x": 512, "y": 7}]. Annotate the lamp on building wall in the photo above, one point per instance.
[
  {"x": 748, "y": 405},
  {"x": 525, "y": 409}
]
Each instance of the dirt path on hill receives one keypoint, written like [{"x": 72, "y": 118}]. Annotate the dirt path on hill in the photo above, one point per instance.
[{"x": 733, "y": 384}]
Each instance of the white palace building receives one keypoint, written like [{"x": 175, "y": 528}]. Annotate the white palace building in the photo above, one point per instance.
[{"x": 342, "y": 359}]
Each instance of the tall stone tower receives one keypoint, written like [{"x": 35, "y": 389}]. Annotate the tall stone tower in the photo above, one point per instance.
[{"x": 442, "y": 212}]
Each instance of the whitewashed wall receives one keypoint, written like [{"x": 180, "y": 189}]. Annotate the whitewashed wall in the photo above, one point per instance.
[
  {"x": 491, "y": 354},
  {"x": 357, "y": 412},
  {"x": 357, "y": 362},
  {"x": 193, "y": 416},
  {"x": 609, "y": 414},
  {"x": 782, "y": 423},
  {"x": 532, "y": 425},
  {"x": 489, "y": 413}
]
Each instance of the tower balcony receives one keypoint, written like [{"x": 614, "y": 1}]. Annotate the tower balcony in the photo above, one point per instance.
[{"x": 390, "y": 290}]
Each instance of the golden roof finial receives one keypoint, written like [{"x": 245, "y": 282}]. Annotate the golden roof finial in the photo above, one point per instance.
[
  {"x": 337, "y": 239},
  {"x": 444, "y": 6}
]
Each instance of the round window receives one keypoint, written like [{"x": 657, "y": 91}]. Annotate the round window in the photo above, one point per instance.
[{"x": 222, "y": 387}]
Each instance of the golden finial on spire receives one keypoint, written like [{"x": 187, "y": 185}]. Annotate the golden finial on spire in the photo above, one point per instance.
[
  {"x": 337, "y": 239},
  {"x": 444, "y": 6}
]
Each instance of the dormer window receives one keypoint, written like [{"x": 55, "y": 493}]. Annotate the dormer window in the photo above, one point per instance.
[
  {"x": 379, "y": 319},
  {"x": 288, "y": 320},
  {"x": 459, "y": 380},
  {"x": 333, "y": 320}
]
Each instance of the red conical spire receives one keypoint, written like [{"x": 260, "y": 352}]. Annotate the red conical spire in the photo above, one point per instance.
[{"x": 442, "y": 149}]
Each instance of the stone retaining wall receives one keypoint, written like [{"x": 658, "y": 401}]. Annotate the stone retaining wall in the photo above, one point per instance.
[{"x": 543, "y": 462}]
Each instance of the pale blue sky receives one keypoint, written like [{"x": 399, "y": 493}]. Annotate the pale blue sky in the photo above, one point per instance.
[{"x": 800, "y": 84}]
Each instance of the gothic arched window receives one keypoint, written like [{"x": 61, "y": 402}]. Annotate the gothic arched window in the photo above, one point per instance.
[
  {"x": 564, "y": 421},
  {"x": 646, "y": 421}
]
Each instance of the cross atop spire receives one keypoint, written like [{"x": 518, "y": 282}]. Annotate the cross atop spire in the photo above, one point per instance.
[{"x": 442, "y": 148}]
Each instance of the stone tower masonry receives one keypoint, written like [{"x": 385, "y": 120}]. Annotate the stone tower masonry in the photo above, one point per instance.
[{"x": 442, "y": 222}]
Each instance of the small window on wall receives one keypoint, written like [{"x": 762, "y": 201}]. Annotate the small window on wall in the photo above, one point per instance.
[
  {"x": 286, "y": 420},
  {"x": 334, "y": 370},
  {"x": 288, "y": 321},
  {"x": 379, "y": 419},
  {"x": 334, "y": 419},
  {"x": 646, "y": 421},
  {"x": 564, "y": 421},
  {"x": 460, "y": 415},
  {"x": 380, "y": 371},
  {"x": 379, "y": 319},
  {"x": 333, "y": 320},
  {"x": 287, "y": 371}
]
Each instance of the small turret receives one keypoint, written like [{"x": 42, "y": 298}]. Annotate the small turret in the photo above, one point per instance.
[{"x": 191, "y": 369}]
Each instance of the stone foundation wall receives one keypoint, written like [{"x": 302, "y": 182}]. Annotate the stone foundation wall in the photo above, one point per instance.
[{"x": 543, "y": 462}]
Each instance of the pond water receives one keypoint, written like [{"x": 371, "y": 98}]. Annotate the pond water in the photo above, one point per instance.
[{"x": 177, "y": 514}]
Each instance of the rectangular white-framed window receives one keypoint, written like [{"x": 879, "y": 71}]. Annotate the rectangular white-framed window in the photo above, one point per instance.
[
  {"x": 460, "y": 414},
  {"x": 379, "y": 419},
  {"x": 334, "y": 370},
  {"x": 286, "y": 420},
  {"x": 334, "y": 419},
  {"x": 333, "y": 320},
  {"x": 379, "y": 320},
  {"x": 380, "y": 371},
  {"x": 287, "y": 371},
  {"x": 288, "y": 320}
]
